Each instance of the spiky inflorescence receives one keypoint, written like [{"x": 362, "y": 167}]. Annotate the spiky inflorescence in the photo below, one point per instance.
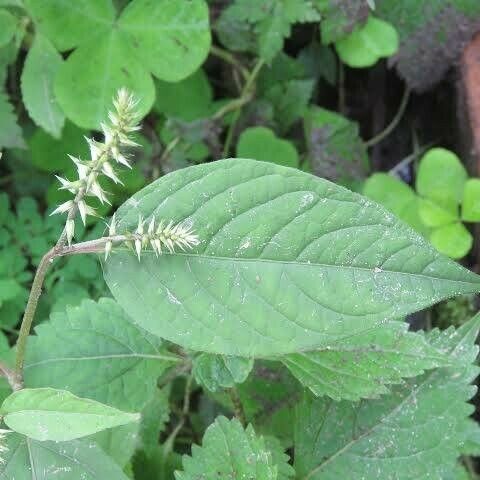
[
  {"x": 159, "y": 236},
  {"x": 122, "y": 122}
]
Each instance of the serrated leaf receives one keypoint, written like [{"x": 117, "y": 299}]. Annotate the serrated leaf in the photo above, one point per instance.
[
  {"x": 90, "y": 77},
  {"x": 95, "y": 351},
  {"x": 69, "y": 24},
  {"x": 265, "y": 277},
  {"x": 280, "y": 458},
  {"x": 38, "y": 76},
  {"x": 471, "y": 200},
  {"x": 229, "y": 451},
  {"x": 411, "y": 434},
  {"x": 10, "y": 133},
  {"x": 27, "y": 459},
  {"x": 441, "y": 27},
  {"x": 219, "y": 371},
  {"x": 272, "y": 21},
  {"x": 171, "y": 39},
  {"x": 335, "y": 148},
  {"x": 48, "y": 414},
  {"x": 363, "y": 366},
  {"x": 8, "y": 24},
  {"x": 441, "y": 177},
  {"x": 367, "y": 44},
  {"x": 261, "y": 143}
]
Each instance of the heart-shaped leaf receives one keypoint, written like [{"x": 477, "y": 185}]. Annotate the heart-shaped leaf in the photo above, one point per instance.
[{"x": 286, "y": 262}]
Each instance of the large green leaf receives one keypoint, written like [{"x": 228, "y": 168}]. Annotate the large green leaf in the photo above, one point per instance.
[
  {"x": 41, "y": 66},
  {"x": 286, "y": 262},
  {"x": 95, "y": 351},
  {"x": 414, "y": 433},
  {"x": 27, "y": 459},
  {"x": 229, "y": 451},
  {"x": 68, "y": 24},
  {"x": 92, "y": 74},
  {"x": 363, "y": 365},
  {"x": 48, "y": 414},
  {"x": 171, "y": 39}
]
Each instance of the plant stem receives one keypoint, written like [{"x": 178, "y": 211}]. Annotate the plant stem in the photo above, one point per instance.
[
  {"x": 229, "y": 58},
  {"x": 238, "y": 406},
  {"x": 394, "y": 123},
  {"x": 247, "y": 93},
  {"x": 29, "y": 314}
]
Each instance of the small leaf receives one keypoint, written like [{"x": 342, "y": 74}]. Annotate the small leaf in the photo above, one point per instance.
[
  {"x": 335, "y": 148},
  {"x": 41, "y": 67},
  {"x": 229, "y": 451},
  {"x": 410, "y": 434},
  {"x": 260, "y": 143},
  {"x": 10, "y": 133},
  {"x": 28, "y": 459},
  {"x": 266, "y": 275},
  {"x": 8, "y": 24},
  {"x": 434, "y": 215},
  {"x": 367, "y": 44},
  {"x": 219, "y": 371},
  {"x": 362, "y": 366},
  {"x": 397, "y": 196},
  {"x": 453, "y": 240},
  {"x": 48, "y": 414},
  {"x": 90, "y": 77},
  {"x": 441, "y": 177},
  {"x": 471, "y": 201},
  {"x": 171, "y": 39},
  {"x": 95, "y": 351}
]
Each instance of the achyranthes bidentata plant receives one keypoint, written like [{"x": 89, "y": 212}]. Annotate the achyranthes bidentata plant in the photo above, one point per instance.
[{"x": 234, "y": 261}]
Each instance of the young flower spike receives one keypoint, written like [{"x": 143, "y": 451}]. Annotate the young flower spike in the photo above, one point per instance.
[
  {"x": 171, "y": 237},
  {"x": 103, "y": 155}
]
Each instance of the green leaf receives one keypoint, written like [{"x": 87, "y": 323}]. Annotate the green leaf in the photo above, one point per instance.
[
  {"x": 95, "y": 351},
  {"x": 187, "y": 100},
  {"x": 218, "y": 371},
  {"x": 48, "y": 414},
  {"x": 90, "y": 77},
  {"x": 362, "y": 366},
  {"x": 41, "y": 67},
  {"x": 280, "y": 458},
  {"x": 453, "y": 240},
  {"x": 8, "y": 24},
  {"x": 266, "y": 275},
  {"x": 10, "y": 133},
  {"x": 229, "y": 451},
  {"x": 367, "y": 44},
  {"x": 261, "y": 143},
  {"x": 27, "y": 459},
  {"x": 434, "y": 215},
  {"x": 272, "y": 21},
  {"x": 397, "y": 196},
  {"x": 172, "y": 39},
  {"x": 471, "y": 200},
  {"x": 69, "y": 24},
  {"x": 411, "y": 434},
  {"x": 335, "y": 149},
  {"x": 441, "y": 177}
]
